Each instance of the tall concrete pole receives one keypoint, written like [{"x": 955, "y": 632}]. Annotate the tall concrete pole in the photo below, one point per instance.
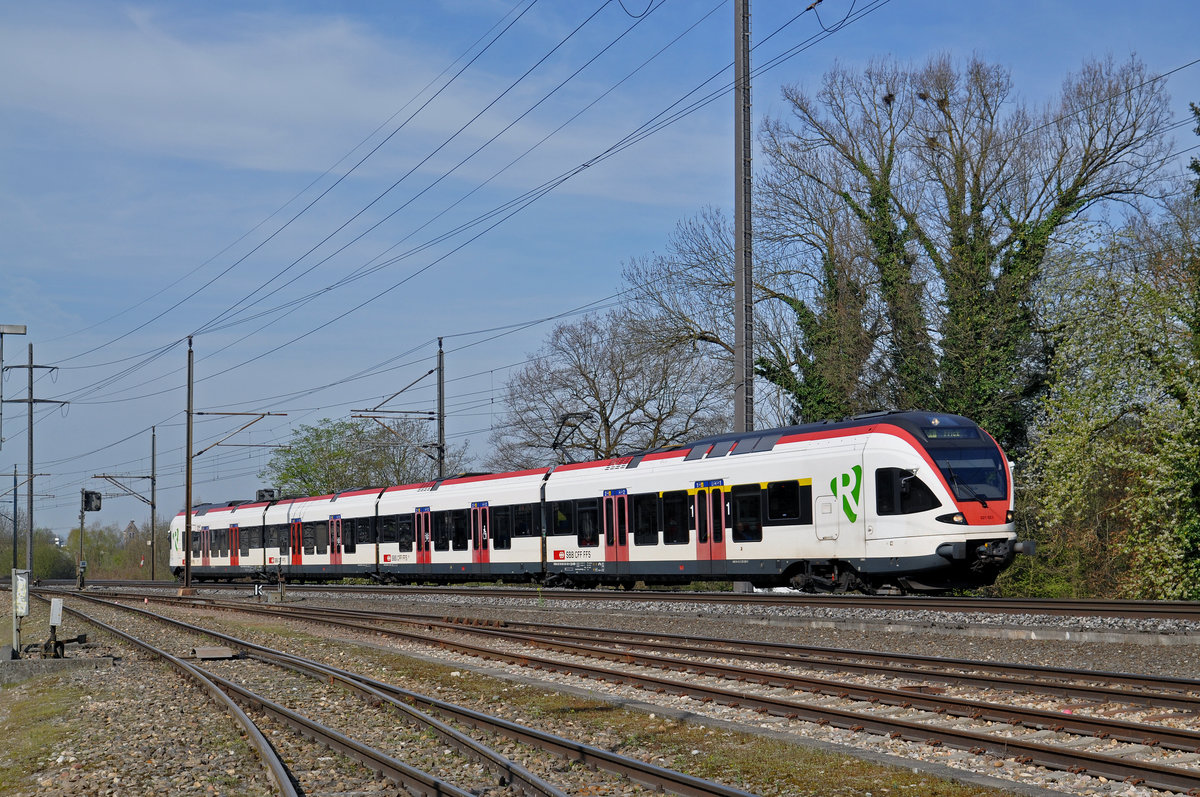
[
  {"x": 743, "y": 271},
  {"x": 30, "y": 401},
  {"x": 14, "y": 567},
  {"x": 187, "y": 501},
  {"x": 29, "y": 492},
  {"x": 441, "y": 411},
  {"x": 153, "y": 498}
]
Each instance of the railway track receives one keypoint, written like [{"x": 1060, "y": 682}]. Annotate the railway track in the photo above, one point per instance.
[
  {"x": 1188, "y": 611},
  {"x": 405, "y": 702},
  {"x": 1158, "y": 747}
]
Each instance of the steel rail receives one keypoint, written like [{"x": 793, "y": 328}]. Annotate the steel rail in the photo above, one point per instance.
[
  {"x": 1092, "y": 607},
  {"x": 277, "y": 771},
  {"x": 1008, "y": 677},
  {"x": 1179, "y": 610},
  {"x": 1080, "y": 724},
  {"x": 1137, "y": 733},
  {"x": 1053, "y": 678},
  {"x": 1150, "y": 773},
  {"x": 642, "y": 772},
  {"x": 410, "y": 778},
  {"x": 1081, "y": 761},
  {"x": 406, "y": 776},
  {"x": 814, "y": 657},
  {"x": 1049, "y": 673},
  {"x": 516, "y": 774}
]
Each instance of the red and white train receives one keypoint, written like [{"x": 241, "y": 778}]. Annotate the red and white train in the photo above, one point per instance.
[{"x": 909, "y": 500}]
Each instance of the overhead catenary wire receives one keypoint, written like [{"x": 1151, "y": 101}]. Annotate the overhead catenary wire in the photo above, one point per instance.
[
  {"x": 376, "y": 148},
  {"x": 562, "y": 42},
  {"x": 449, "y": 172},
  {"x": 1180, "y": 67},
  {"x": 117, "y": 377},
  {"x": 643, "y": 131}
]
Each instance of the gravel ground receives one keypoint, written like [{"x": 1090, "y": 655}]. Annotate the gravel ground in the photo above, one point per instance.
[
  {"x": 1137, "y": 654},
  {"x": 1015, "y": 638},
  {"x": 123, "y": 725},
  {"x": 142, "y": 698}
]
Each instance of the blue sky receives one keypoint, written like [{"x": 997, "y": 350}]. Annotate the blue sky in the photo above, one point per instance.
[{"x": 153, "y": 157}]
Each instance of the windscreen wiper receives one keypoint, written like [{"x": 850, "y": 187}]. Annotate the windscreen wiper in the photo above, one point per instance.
[{"x": 967, "y": 487}]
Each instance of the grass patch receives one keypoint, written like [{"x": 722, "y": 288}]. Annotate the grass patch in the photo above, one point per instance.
[{"x": 30, "y": 724}]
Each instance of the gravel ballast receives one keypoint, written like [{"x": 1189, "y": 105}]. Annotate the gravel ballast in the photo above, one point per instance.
[{"x": 133, "y": 694}]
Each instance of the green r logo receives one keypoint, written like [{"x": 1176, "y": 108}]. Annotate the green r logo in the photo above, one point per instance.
[{"x": 850, "y": 494}]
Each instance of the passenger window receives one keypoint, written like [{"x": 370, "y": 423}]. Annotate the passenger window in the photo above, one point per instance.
[
  {"x": 747, "y": 514},
  {"x": 387, "y": 528},
  {"x": 645, "y": 519},
  {"x": 900, "y": 492},
  {"x": 321, "y": 531},
  {"x": 783, "y": 501},
  {"x": 560, "y": 518},
  {"x": 460, "y": 531},
  {"x": 675, "y": 518},
  {"x": 402, "y": 531},
  {"x": 441, "y": 531},
  {"x": 587, "y": 521},
  {"x": 523, "y": 525},
  {"x": 502, "y": 527}
]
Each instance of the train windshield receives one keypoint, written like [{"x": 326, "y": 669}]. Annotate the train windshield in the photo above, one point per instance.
[{"x": 975, "y": 473}]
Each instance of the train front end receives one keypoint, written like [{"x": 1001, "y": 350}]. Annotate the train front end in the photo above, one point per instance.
[{"x": 967, "y": 534}]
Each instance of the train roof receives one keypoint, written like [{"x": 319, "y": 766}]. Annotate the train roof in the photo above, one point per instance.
[
  {"x": 912, "y": 421},
  {"x": 917, "y": 423}
]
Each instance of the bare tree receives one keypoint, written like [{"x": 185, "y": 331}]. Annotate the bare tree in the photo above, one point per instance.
[
  {"x": 684, "y": 297},
  {"x": 683, "y": 285},
  {"x": 624, "y": 394},
  {"x": 957, "y": 191}
]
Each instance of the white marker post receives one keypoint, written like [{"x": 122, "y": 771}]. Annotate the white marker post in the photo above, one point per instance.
[{"x": 20, "y": 607}]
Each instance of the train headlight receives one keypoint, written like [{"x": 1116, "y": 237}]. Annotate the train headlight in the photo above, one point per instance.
[
  {"x": 1009, "y": 516},
  {"x": 957, "y": 517}
]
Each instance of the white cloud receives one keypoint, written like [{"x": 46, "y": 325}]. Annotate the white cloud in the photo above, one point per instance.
[{"x": 273, "y": 94}]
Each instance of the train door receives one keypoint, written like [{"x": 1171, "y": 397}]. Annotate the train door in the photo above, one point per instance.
[
  {"x": 481, "y": 521},
  {"x": 616, "y": 531},
  {"x": 234, "y": 545},
  {"x": 296, "y": 539},
  {"x": 335, "y": 539},
  {"x": 710, "y": 520},
  {"x": 421, "y": 520},
  {"x": 205, "y": 546}
]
